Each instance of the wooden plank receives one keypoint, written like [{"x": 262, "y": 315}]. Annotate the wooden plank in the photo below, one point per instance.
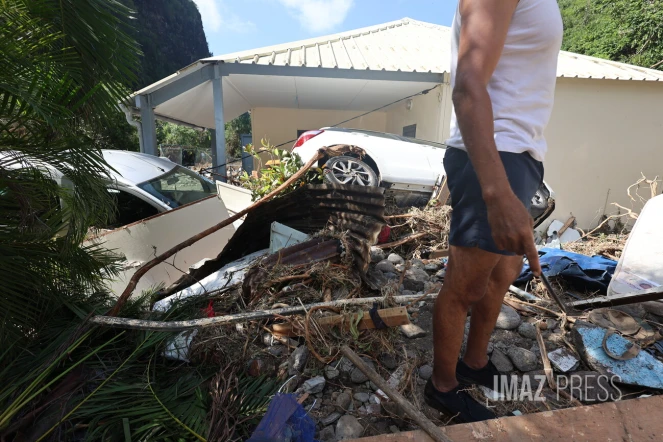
[
  {"x": 443, "y": 197},
  {"x": 392, "y": 317},
  {"x": 625, "y": 420},
  {"x": 652, "y": 294}
]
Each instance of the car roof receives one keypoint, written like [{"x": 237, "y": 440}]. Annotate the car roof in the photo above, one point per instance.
[{"x": 134, "y": 167}]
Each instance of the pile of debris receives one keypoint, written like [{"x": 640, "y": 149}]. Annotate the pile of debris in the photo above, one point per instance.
[{"x": 303, "y": 278}]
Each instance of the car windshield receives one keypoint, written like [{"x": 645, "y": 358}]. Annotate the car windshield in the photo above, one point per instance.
[{"x": 178, "y": 187}]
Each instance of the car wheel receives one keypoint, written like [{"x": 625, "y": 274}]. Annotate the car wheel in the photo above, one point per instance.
[{"x": 349, "y": 170}]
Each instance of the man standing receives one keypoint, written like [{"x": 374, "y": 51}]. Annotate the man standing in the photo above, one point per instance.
[{"x": 503, "y": 71}]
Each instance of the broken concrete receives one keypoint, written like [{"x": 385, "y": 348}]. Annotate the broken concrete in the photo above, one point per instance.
[
  {"x": 412, "y": 331},
  {"x": 563, "y": 360}
]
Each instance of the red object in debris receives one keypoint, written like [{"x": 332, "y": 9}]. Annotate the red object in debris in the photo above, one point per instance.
[
  {"x": 209, "y": 310},
  {"x": 303, "y": 138},
  {"x": 383, "y": 237}
]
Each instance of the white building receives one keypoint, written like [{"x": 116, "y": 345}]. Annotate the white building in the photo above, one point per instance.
[{"x": 606, "y": 128}]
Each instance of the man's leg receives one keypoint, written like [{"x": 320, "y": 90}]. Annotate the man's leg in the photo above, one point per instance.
[
  {"x": 487, "y": 309},
  {"x": 465, "y": 283}
]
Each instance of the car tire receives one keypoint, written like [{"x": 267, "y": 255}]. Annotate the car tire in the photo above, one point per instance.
[{"x": 349, "y": 170}]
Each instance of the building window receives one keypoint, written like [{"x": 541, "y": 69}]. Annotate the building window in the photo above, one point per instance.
[{"x": 410, "y": 131}]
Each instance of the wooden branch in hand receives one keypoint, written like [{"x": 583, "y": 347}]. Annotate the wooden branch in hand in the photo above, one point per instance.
[
  {"x": 332, "y": 150},
  {"x": 416, "y": 415}
]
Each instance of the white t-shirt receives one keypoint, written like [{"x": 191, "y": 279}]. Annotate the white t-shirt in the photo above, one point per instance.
[{"x": 522, "y": 87}]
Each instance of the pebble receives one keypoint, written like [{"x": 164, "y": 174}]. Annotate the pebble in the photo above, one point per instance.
[
  {"x": 361, "y": 397},
  {"x": 508, "y": 318},
  {"x": 331, "y": 372},
  {"x": 412, "y": 331},
  {"x": 501, "y": 361},
  {"x": 527, "y": 330},
  {"x": 386, "y": 266},
  {"x": 314, "y": 385},
  {"x": 377, "y": 254},
  {"x": 298, "y": 360},
  {"x": 391, "y": 275},
  {"x": 388, "y": 360},
  {"x": 417, "y": 263},
  {"x": 343, "y": 401},
  {"x": 328, "y": 420},
  {"x": 432, "y": 266},
  {"x": 348, "y": 427},
  {"x": 523, "y": 359},
  {"x": 345, "y": 365},
  {"x": 394, "y": 429},
  {"x": 373, "y": 409},
  {"x": 395, "y": 259},
  {"x": 441, "y": 273},
  {"x": 374, "y": 399},
  {"x": 357, "y": 376},
  {"x": 425, "y": 372},
  {"x": 327, "y": 434}
]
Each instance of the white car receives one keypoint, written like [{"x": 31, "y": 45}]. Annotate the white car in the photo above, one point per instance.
[
  {"x": 143, "y": 185},
  {"x": 409, "y": 167}
]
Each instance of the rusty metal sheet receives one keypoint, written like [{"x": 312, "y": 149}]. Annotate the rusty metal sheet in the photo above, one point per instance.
[{"x": 357, "y": 210}]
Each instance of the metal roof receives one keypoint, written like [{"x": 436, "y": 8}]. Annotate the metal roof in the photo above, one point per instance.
[{"x": 409, "y": 45}]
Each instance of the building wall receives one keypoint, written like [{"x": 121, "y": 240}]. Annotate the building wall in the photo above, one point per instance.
[
  {"x": 602, "y": 135},
  {"x": 429, "y": 112},
  {"x": 280, "y": 125}
]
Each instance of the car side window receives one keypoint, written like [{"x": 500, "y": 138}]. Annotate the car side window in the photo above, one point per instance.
[{"x": 130, "y": 209}]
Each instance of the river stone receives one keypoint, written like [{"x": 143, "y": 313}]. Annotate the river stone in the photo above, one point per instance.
[
  {"x": 523, "y": 359},
  {"x": 508, "y": 318},
  {"x": 348, "y": 427}
]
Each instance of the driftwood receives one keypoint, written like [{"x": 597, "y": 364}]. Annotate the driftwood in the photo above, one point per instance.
[
  {"x": 330, "y": 151},
  {"x": 401, "y": 241},
  {"x": 142, "y": 324},
  {"x": 416, "y": 415}
]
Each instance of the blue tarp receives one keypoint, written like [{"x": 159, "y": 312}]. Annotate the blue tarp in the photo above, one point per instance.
[
  {"x": 581, "y": 271},
  {"x": 285, "y": 421}
]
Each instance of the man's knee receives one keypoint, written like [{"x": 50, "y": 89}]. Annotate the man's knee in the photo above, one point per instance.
[{"x": 466, "y": 291}]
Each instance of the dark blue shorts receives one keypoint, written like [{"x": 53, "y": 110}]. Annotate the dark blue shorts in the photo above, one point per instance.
[{"x": 469, "y": 219}]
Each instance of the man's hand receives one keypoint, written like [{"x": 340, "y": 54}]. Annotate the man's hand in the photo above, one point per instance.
[{"x": 511, "y": 226}]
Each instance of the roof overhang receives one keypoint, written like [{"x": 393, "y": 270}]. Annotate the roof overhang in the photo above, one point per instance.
[{"x": 186, "y": 97}]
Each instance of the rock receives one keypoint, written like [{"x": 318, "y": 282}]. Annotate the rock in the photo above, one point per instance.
[
  {"x": 357, "y": 376},
  {"x": 276, "y": 351},
  {"x": 298, "y": 360},
  {"x": 417, "y": 263},
  {"x": 393, "y": 409},
  {"x": 361, "y": 397},
  {"x": 432, "y": 266},
  {"x": 441, "y": 273},
  {"x": 501, "y": 361},
  {"x": 377, "y": 254},
  {"x": 412, "y": 331},
  {"x": 374, "y": 409},
  {"x": 589, "y": 387},
  {"x": 408, "y": 293},
  {"x": 391, "y": 275},
  {"x": 314, "y": 385},
  {"x": 527, "y": 330},
  {"x": 411, "y": 284},
  {"x": 374, "y": 399},
  {"x": 425, "y": 372},
  {"x": 331, "y": 372},
  {"x": 362, "y": 410},
  {"x": 417, "y": 274},
  {"x": 653, "y": 307},
  {"x": 399, "y": 268},
  {"x": 386, "y": 266},
  {"x": 491, "y": 347},
  {"x": 523, "y": 359},
  {"x": 348, "y": 427},
  {"x": 388, "y": 360},
  {"x": 508, "y": 318},
  {"x": 327, "y": 434},
  {"x": 563, "y": 360},
  {"x": 394, "y": 429},
  {"x": 431, "y": 287},
  {"x": 345, "y": 365},
  {"x": 395, "y": 259},
  {"x": 330, "y": 419},
  {"x": 343, "y": 401}
]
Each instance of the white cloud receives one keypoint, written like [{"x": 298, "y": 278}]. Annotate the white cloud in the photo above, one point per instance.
[
  {"x": 218, "y": 17},
  {"x": 319, "y": 15}
]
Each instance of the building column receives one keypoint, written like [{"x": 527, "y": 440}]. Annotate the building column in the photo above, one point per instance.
[
  {"x": 219, "y": 146},
  {"x": 148, "y": 125}
]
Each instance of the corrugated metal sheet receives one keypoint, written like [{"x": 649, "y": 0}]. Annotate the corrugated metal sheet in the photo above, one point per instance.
[{"x": 410, "y": 46}]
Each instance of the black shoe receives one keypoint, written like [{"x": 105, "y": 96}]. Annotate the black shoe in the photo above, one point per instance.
[
  {"x": 488, "y": 376},
  {"x": 457, "y": 404}
]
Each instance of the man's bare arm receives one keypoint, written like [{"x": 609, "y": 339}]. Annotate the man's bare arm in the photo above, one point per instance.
[{"x": 485, "y": 24}]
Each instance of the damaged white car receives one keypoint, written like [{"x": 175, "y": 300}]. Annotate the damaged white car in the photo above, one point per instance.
[{"x": 408, "y": 167}]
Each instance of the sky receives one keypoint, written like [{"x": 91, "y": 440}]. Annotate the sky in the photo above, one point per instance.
[{"x": 237, "y": 25}]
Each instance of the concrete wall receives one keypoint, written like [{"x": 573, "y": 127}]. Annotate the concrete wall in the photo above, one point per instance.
[
  {"x": 430, "y": 112},
  {"x": 279, "y": 125},
  {"x": 602, "y": 135}
]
